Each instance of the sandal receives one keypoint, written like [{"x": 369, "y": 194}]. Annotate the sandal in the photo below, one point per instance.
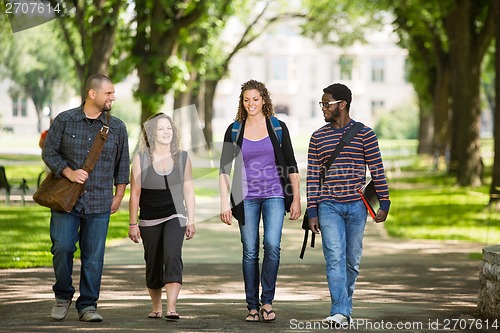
[
  {"x": 155, "y": 314},
  {"x": 172, "y": 315},
  {"x": 252, "y": 317},
  {"x": 268, "y": 313}
]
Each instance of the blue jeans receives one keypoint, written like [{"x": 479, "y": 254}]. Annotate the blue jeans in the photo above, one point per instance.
[
  {"x": 342, "y": 229},
  {"x": 273, "y": 213},
  {"x": 90, "y": 230}
]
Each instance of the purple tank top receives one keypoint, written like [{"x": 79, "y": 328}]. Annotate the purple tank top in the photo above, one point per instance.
[{"x": 261, "y": 178}]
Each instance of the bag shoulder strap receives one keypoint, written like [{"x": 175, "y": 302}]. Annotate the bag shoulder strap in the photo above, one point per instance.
[
  {"x": 97, "y": 146},
  {"x": 278, "y": 131},
  {"x": 304, "y": 243},
  {"x": 306, "y": 236},
  {"x": 346, "y": 138},
  {"x": 235, "y": 131}
]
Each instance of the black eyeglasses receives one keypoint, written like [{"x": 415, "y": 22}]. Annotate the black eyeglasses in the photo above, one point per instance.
[{"x": 327, "y": 104}]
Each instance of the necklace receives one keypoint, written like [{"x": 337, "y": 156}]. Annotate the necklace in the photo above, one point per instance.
[{"x": 255, "y": 128}]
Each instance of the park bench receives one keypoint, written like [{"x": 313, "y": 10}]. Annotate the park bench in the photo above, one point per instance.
[{"x": 22, "y": 189}]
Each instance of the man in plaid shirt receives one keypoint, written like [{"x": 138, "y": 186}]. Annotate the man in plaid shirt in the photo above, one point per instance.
[{"x": 68, "y": 142}]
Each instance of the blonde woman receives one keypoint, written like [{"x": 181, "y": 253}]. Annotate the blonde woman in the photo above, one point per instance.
[{"x": 162, "y": 210}]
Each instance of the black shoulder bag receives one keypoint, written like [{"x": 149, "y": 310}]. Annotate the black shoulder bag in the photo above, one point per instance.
[{"x": 346, "y": 138}]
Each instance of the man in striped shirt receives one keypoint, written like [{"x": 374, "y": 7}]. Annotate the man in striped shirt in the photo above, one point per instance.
[{"x": 335, "y": 206}]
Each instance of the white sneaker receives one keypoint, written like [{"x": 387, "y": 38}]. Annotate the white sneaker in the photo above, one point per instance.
[
  {"x": 60, "y": 310},
  {"x": 91, "y": 316},
  {"x": 339, "y": 319}
]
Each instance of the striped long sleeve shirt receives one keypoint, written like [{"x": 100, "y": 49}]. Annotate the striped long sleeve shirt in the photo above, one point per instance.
[{"x": 347, "y": 174}]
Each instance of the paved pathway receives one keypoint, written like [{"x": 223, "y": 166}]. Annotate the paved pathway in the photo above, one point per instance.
[{"x": 421, "y": 285}]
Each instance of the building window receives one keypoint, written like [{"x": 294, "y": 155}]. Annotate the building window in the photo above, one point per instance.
[
  {"x": 20, "y": 107},
  {"x": 377, "y": 106},
  {"x": 279, "y": 68},
  {"x": 346, "y": 64},
  {"x": 378, "y": 70}
]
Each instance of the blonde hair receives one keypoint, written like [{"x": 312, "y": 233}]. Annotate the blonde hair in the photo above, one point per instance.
[{"x": 147, "y": 143}]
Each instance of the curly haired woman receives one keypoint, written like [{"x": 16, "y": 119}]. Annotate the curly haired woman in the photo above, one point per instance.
[{"x": 265, "y": 183}]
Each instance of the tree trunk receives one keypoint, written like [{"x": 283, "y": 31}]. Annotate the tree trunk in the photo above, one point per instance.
[
  {"x": 198, "y": 134},
  {"x": 147, "y": 94},
  {"x": 425, "y": 132},
  {"x": 96, "y": 26},
  {"x": 103, "y": 43},
  {"x": 151, "y": 50},
  {"x": 441, "y": 106},
  {"x": 495, "y": 183},
  {"x": 210, "y": 87},
  {"x": 158, "y": 26},
  {"x": 38, "y": 95},
  {"x": 39, "y": 112},
  {"x": 182, "y": 118},
  {"x": 467, "y": 48},
  {"x": 187, "y": 116}
]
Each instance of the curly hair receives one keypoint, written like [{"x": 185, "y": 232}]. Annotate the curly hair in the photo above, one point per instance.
[
  {"x": 267, "y": 108},
  {"x": 147, "y": 143}
]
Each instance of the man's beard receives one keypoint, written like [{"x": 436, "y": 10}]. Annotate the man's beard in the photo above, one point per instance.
[{"x": 332, "y": 115}]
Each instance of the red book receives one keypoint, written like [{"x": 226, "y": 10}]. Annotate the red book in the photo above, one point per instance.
[{"x": 370, "y": 198}]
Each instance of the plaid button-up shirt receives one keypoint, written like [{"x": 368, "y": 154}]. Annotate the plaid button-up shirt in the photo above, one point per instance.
[{"x": 68, "y": 142}]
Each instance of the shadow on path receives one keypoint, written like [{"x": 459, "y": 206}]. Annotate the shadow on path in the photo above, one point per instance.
[{"x": 404, "y": 286}]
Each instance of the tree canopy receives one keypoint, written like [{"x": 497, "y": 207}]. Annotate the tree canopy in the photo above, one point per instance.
[
  {"x": 446, "y": 40},
  {"x": 35, "y": 72},
  {"x": 175, "y": 47}
]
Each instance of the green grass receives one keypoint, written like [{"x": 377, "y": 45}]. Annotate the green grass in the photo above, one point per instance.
[
  {"x": 432, "y": 207},
  {"x": 26, "y": 235},
  {"x": 21, "y": 158},
  {"x": 424, "y": 206},
  {"x": 206, "y": 173}
]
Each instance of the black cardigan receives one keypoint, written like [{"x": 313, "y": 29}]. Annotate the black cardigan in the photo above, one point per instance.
[{"x": 284, "y": 158}]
